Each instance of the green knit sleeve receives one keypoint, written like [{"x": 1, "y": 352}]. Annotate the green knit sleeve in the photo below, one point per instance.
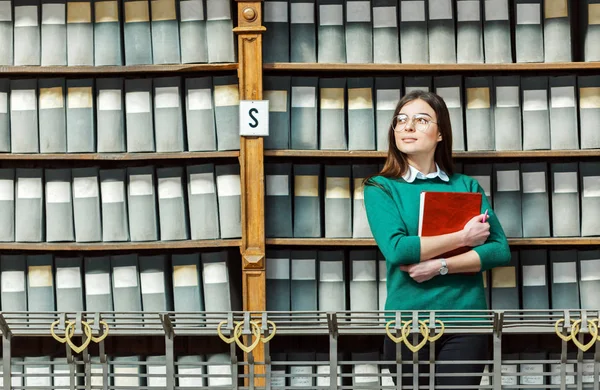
[
  {"x": 388, "y": 227},
  {"x": 495, "y": 251}
]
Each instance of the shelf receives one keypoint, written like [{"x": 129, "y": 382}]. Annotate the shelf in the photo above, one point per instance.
[
  {"x": 457, "y": 155},
  {"x": 118, "y": 156},
  {"x": 370, "y": 242},
  {"x": 520, "y": 67},
  {"x": 131, "y": 69},
  {"x": 117, "y": 246}
]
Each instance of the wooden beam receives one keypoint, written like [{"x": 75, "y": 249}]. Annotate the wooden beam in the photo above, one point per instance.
[
  {"x": 343, "y": 242},
  {"x": 112, "y": 70},
  {"x": 116, "y": 246},
  {"x": 118, "y": 156},
  {"x": 249, "y": 33}
]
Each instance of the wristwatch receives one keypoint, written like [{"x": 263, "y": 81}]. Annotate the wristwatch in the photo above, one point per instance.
[{"x": 444, "y": 268}]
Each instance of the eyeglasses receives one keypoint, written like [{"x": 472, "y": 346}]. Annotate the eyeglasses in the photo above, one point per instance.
[{"x": 421, "y": 122}]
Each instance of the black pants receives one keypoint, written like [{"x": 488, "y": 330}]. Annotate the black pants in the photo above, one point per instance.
[{"x": 447, "y": 348}]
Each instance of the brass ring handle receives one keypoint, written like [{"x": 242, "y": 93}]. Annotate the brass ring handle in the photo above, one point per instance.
[
  {"x": 559, "y": 333},
  {"x": 406, "y": 333},
  {"x": 104, "y": 333},
  {"x": 61, "y": 340},
  {"x": 389, "y": 333},
  {"x": 436, "y": 337},
  {"x": 88, "y": 334},
  {"x": 228, "y": 340},
  {"x": 255, "y": 331},
  {"x": 593, "y": 331},
  {"x": 271, "y": 334}
]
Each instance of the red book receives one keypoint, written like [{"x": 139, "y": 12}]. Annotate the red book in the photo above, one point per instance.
[{"x": 447, "y": 212}]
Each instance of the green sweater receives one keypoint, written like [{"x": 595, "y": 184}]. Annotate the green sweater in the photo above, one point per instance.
[{"x": 393, "y": 214}]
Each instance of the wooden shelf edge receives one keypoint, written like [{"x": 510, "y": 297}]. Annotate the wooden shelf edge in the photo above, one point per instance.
[
  {"x": 119, "y": 246},
  {"x": 457, "y": 154},
  {"x": 118, "y": 156},
  {"x": 556, "y": 241},
  {"x": 127, "y": 69},
  {"x": 329, "y": 67}
]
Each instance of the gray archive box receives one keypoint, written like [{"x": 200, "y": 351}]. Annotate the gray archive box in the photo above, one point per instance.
[
  {"x": 52, "y": 116},
  {"x": 301, "y": 374},
  {"x": 365, "y": 363},
  {"x": 98, "y": 285},
  {"x": 278, "y": 200},
  {"x": 200, "y": 114},
  {"x": 450, "y": 89},
  {"x": 360, "y": 224},
  {"x": 80, "y": 33},
  {"x": 307, "y": 200},
  {"x": 304, "y": 113},
  {"x": 29, "y": 205},
  {"x": 589, "y": 111},
  {"x": 191, "y": 370},
  {"x": 114, "y": 205},
  {"x": 386, "y": 44},
  {"x": 219, "y": 32},
  {"x": 479, "y": 113},
  {"x": 221, "y": 287},
  {"x": 507, "y": 113},
  {"x": 505, "y": 285},
  {"x": 230, "y": 201},
  {"x": 155, "y": 284},
  {"x": 276, "y": 41},
  {"x": 497, "y": 32},
  {"x": 563, "y": 113},
  {"x": 535, "y": 289},
  {"x": 361, "y": 114},
  {"x": 507, "y": 198},
  {"x": 202, "y": 200},
  {"x": 414, "y": 41},
  {"x": 359, "y": 32},
  {"x": 138, "y": 115},
  {"x": 388, "y": 91},
  {"x": 589, "y": 174},
  {"x": 188, "y": 294},
  {"x": 442, "y": 32},
  {"x": 277, "y": 90},
  {"x": 141, "y": 204},
  {"x": 27, "y": 32},
  {"x": 127, "y": 371},
  {"x": 536, "y": 202},
  {"x": 54, "y": 33},
  {"x": 414, "y": 83},
  {"x": 59, "y": 205},
  {"x": 557, "y": 31},
  {"x": 590, "y": 29},
  {"x": 165, "y": 32},
  {"x": 69, "y": 284},
  {"x": 81, "y": 132},
  {"x": 4, "y": 115},
  {"x": 173, "y": 213},
  {"x": 6, "y": 33},
  {"x": 332, "y": 281},
  {"x": 219, "y": 370},
  {"x": 14, "y": 282},
  {"x": 157, "y": 367},
  {"x": 278, "y": 279},
  {"x": 565, "y": 286},
  {"x": 86, "y": 205},
  {"x": 331, "y": 45},
  {"x": 227, "y": 111},
  {"x": 137, "y": 32},
  {"x": 110, "y": 115},
  {"x": 108, "y": 36},
  {"x": 126, "y": 284},
  {"x": 168, "y": 114},
  {"x": 332, "y": 114},
  {"x": 529, "y": 31},
  {"x": 363, "y": 280},
  {"x": 192, "y": 32},
  {"x": 39, "y": 366},
  {"x": 338, "y": 201},
  {"x": 7, "y": 205},
  {"x": 469, "y": 32},
  {"x": 303, "y": 284},
  {"x": 23, "y": 116},
  {"x": 40, "y": 284},
  {"x": 303, "y": 31},
  {"x": 536, "y": 115},
  {"x": 565, "y": 200},
  {"x": 589, "y": 278}
]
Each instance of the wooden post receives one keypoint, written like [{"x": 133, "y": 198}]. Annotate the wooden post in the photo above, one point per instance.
[{"x": 249, "y": 33}]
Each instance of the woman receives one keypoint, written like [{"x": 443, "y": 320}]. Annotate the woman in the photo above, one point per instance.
[{"x": 420, "y": 159}]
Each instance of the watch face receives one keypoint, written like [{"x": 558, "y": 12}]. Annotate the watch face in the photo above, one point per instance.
[{"x": 444, "y": 271}]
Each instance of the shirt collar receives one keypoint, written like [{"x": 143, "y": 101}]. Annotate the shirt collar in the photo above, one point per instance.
[{"x": 413, "y": 173}]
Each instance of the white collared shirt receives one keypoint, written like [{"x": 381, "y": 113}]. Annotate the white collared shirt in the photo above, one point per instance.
[{"x": 413, "y": 173}]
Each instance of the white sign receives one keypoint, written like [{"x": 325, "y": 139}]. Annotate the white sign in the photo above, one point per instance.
[{"x": 254, "y": 117}]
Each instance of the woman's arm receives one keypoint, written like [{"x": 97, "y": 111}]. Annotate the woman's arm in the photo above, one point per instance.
[
  {"x": 468, "y": 262},
  {"x": 391, "y": 234}
]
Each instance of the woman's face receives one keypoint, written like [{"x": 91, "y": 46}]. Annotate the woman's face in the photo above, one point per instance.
[{"x": 416, "y": 131}]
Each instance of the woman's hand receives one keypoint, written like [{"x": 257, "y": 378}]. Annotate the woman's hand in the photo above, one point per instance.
[
  {"x": 475, "y": 232},
  {"x": 423, "y": 271}
]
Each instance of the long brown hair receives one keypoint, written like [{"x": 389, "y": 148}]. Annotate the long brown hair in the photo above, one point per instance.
[{"x": 396, "y": 162}]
